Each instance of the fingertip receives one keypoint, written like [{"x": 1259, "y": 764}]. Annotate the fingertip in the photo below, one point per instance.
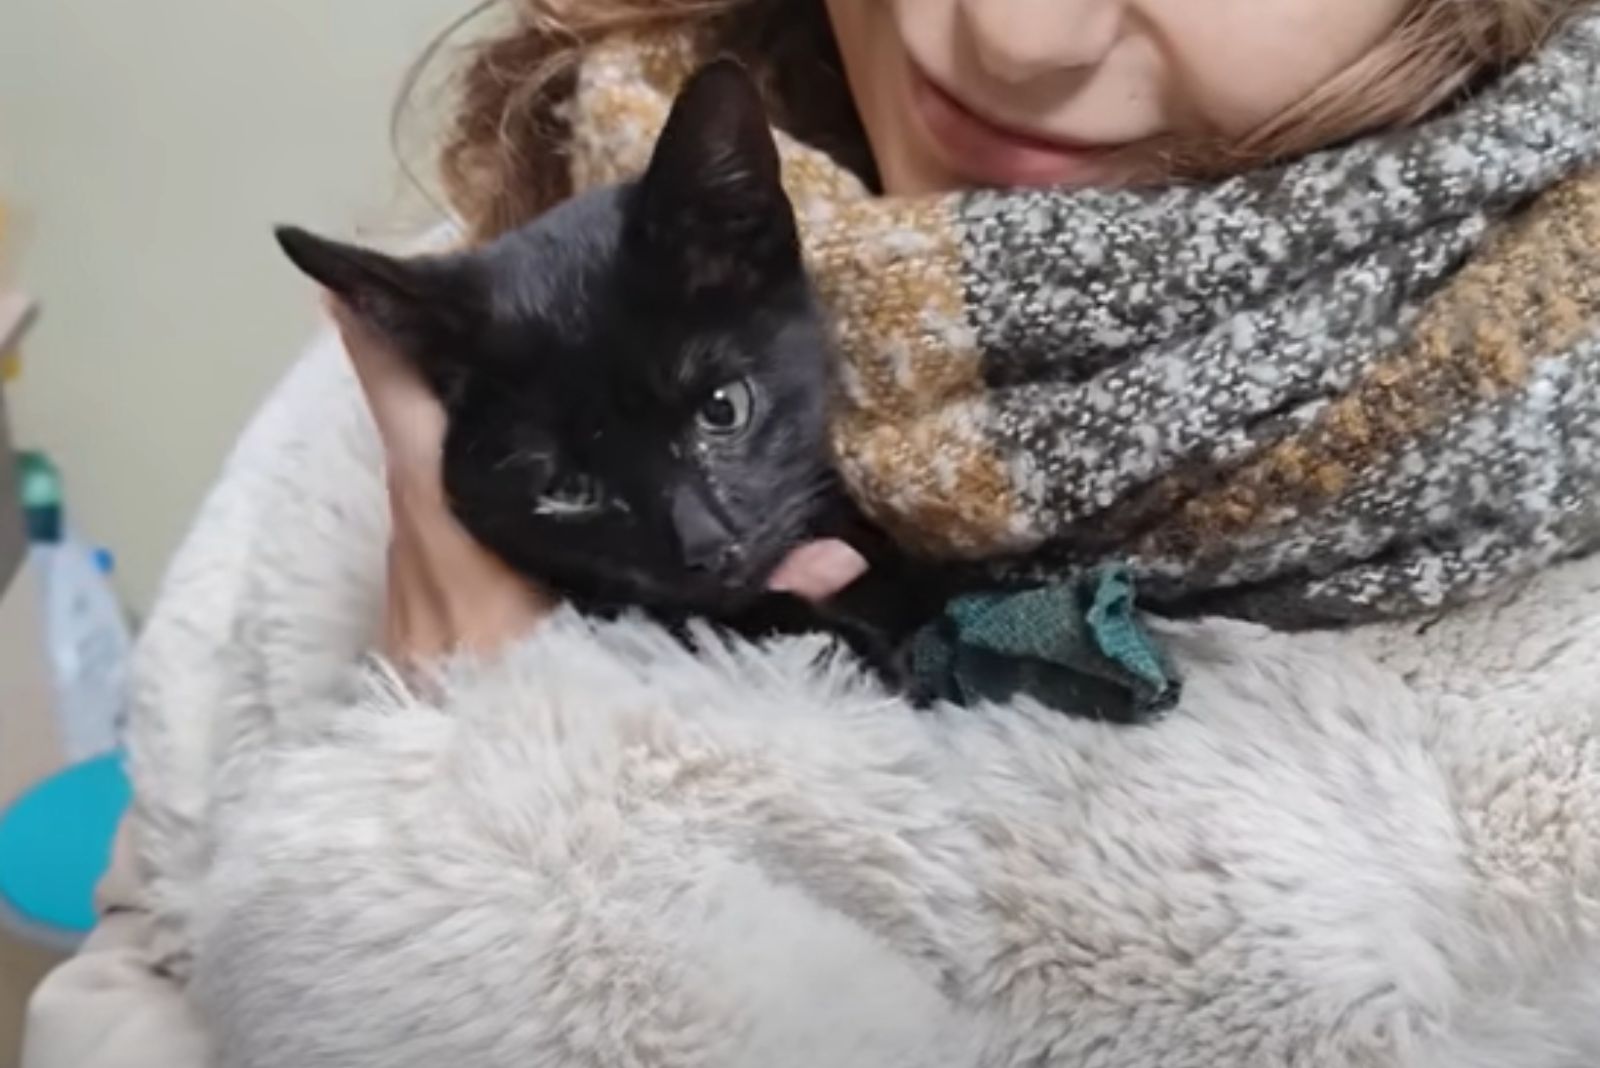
[
  {"x": 819, "y": 569},
  {"x": 334, "y": 306},
  {"x": 358, "y": 335}
]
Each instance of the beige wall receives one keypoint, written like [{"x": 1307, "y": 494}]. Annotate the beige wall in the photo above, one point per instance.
[{"x": 146, "y": 146}]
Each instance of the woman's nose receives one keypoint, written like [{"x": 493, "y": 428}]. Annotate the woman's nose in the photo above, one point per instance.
[{"x": 1019, "y": 40}]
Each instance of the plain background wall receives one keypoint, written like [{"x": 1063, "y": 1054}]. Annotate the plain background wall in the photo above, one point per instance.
[{"x": 146, "y": 147}]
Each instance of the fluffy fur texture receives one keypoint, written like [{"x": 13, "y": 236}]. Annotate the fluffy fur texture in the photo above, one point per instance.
[{"x": 1377, "y": 849}]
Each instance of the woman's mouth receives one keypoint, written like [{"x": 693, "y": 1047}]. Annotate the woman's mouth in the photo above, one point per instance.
[{"x": 985, "y": 153}]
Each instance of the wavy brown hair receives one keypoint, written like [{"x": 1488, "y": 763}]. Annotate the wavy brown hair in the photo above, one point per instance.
[{"x": 502, "y": 161}]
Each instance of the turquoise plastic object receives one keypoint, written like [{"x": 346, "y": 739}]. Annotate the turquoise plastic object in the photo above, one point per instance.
[
  {"x": 55, "y": 843},
  {"x": 40, "y": 485}
]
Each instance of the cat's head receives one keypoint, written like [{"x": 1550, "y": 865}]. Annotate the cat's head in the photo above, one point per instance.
[{"x": 636, "y": 382}]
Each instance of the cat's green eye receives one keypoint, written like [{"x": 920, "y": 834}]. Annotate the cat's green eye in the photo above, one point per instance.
[{"x": 727, "y": 410}]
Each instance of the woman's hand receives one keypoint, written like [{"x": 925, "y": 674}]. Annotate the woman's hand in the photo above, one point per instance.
[{"x": 445, "y": 591}]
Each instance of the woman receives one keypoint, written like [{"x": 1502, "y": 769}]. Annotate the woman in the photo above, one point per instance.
[{"x": 1346, "y": 388}]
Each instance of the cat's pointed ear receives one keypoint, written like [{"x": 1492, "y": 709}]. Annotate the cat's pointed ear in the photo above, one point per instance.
[
  {"x": 422, "y": 304},
  {"x": 712, "y": 199}
]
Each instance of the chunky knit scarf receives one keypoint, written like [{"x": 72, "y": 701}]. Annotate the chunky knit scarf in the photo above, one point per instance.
[{"x": 1363, "y": 384}]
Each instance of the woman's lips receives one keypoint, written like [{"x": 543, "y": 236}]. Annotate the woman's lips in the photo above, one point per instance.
[{"x": 985, "y": 153}]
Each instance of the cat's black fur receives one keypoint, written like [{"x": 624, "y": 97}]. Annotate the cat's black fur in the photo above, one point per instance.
[{"x": 637, "y": 387}]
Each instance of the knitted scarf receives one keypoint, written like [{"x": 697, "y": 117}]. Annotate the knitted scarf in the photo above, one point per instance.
[{"x": 1360, "y": 385}]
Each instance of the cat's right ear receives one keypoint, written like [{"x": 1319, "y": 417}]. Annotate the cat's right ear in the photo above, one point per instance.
[{"x": 424, "y": 305}]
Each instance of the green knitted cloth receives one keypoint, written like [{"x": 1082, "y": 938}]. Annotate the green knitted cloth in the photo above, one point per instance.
[{"x": 1078, "y": 646}]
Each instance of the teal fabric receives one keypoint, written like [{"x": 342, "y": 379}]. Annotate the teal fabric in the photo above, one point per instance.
[
  {"x": 1077, "y": 646},
  {"x": 55, "y": 843}
]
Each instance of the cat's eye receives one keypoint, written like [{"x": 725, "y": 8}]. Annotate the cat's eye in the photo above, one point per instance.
[{"x": 727, "y": 410}]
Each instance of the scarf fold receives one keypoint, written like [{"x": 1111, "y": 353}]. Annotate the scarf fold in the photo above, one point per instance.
[{"x": 1356, "y": 386}]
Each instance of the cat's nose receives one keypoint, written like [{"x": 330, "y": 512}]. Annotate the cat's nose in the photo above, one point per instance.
[{"x": 706, "y": 540}]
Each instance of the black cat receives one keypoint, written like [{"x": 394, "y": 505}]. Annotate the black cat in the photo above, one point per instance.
[{"x": 637, "y": 386}]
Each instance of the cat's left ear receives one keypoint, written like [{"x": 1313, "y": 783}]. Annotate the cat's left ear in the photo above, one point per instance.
[{"x": 712, "y": 201}]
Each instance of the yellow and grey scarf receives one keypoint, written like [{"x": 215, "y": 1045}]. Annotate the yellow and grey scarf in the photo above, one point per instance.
[{"x": 1363, "y": 384}]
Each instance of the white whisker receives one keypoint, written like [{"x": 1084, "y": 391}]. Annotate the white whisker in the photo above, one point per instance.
[{"x": 562, "y": 508}]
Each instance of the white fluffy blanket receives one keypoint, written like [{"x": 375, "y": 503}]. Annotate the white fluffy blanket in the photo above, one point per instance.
[{"x": 1374, "y": 849}]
